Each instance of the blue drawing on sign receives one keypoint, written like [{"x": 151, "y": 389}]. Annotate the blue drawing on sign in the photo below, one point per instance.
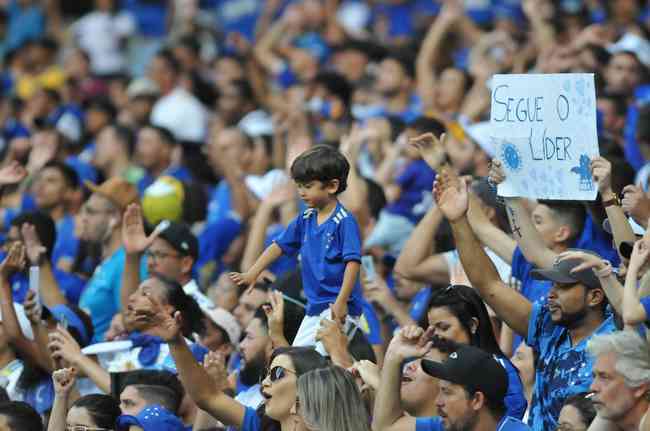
[
  {"x": 586, "y": 183},
  {"x": 511, "y": 157}
]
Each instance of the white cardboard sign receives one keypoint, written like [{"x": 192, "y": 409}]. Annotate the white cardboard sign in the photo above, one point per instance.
[{"x": 543, "y": 129}]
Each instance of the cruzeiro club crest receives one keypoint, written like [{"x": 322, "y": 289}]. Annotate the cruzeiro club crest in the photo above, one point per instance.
[{"x": 511, "y": 157}]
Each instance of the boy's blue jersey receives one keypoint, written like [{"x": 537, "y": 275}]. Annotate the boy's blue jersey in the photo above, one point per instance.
[{"x": 324, "y": 251}]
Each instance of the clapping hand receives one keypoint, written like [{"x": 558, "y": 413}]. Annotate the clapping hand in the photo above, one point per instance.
[
  {"x": 451, "y": 195},
  {"x": 15, "y": 261}
]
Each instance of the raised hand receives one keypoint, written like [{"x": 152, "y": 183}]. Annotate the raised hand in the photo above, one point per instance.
[
  {"x": 410, "y": 342},
  {"x": 368, "y": 372},
  {"x": 215, "y": 364},
  {"x": 601, "y": 170},
  {"x": 133, "y": 236},
  {"x": 63, "y": 346},
  {"x": 13, "y": 173},
  {"x": 33, "y": 308},
  {"x": 351, "y": 143},
  {"x": 281, "y": 194},
  {"x": 33, "y": 246},
  {"x": 496, "y": 175},
  {"x": 639, "y": 255},
  {"x": 164, "y": 325},
  {"x": 64, "y": 380},
  {"x": 635, "y": 202},
  {"x": 332, "y": 336},
  {"x": 432, "y": 149},
  {"x": 14, "y": 261},
  {"x": 451, "y": 195},
  {"x": 588, "y": 260},
  {"x": 275, "y": 314},
  {"x": 377, "y": 291}
]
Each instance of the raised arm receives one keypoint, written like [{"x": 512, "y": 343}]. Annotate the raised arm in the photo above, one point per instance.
[
  {"x": 281, "y": 194},
  {"x": 135, "y": 243},
  {"x": 64, "y": 382},
  {"x": 389, "y": 414},
  {"x": 451, "y": 13},
  {"x": 633, "y": 311},
  {"x": 601, "y": 170},
  {"x": 204, "y": 390},
  {"x": 48, "y": 288},
  {"x": 509, "y": 305},
  {"x": 603, "y": 270},
  {"x": 527, "y": 237},
  {"x": 64, "y": 346},
  {"x": 490, "y": 235}
]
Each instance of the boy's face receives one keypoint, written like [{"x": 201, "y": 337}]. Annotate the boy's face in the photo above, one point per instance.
[{"x": 317, "y": 194}]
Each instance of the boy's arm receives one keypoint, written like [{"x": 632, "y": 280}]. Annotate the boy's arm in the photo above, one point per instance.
[
  {"x": 340, "y": 307},
  {"x": 248, "y": 278}
]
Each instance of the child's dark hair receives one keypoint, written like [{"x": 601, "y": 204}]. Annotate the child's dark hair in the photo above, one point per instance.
[
  {"x": 321, "y": 163},
  {"x": 103, "y": 409}
]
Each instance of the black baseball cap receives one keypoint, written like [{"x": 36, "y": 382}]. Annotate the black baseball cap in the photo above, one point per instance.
[
  {"x": 561, "y": 272},
  {"x": 181, "y": 238},
  {"x": 472, "y": 368}
]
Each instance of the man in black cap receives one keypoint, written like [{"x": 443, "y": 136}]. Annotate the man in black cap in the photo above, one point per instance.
[{"x": 471, "y": 392}]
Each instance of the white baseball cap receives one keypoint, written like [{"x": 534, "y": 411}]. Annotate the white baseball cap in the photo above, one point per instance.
[{"x": 226, "y": 321}]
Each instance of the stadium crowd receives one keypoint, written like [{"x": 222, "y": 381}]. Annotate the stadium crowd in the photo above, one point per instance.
[{"x": 282, "y": 215}]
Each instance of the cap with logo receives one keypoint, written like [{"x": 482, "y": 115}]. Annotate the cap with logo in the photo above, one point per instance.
[
  {"x": 473, "y": 368},
  {"x": 181, "y": 238}
]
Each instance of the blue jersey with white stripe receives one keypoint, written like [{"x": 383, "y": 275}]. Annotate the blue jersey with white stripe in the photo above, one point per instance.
[{"x": 324, "y": 251}]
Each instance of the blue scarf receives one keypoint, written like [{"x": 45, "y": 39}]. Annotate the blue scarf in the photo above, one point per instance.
[{"x": 150, "y": 347}]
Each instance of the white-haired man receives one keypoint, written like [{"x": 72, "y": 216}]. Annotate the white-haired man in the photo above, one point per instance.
[{"x": 621, "y": 385}]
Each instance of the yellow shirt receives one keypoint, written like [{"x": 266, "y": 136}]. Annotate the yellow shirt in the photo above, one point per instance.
[{"x": 52, "y": 78}]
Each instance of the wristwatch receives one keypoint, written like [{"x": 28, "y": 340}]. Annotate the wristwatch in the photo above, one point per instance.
[{"x": 613, "y": 201}]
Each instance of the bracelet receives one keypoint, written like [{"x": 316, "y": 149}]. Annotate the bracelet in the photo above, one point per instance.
[{"x": 605, "y": 272}]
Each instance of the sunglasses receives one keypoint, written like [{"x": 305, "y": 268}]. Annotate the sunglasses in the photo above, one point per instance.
[
  {"x": 278, "y": 372},
  {"x": 84, "y": 428}
]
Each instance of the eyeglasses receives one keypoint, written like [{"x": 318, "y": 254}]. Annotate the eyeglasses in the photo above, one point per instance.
[
  {"x": 160, "y": 255},
  {"x": 85, "y": 428},
  {"x": 278, "y": 372}
]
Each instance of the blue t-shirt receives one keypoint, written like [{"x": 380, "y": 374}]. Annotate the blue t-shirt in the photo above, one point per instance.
[
  {"x": 645, "y": 301},
  {"x": 324, "y": 251},
  {"x": 435, "y": 424},
  {"x": 515, "y": 399},
  {"x": 284, "y": 263},
  {"x": 219, "y": 204},
  {"x": 101, "y": 298},
  {"x": 151, "y": 17},
  {"x": 67, "y": 244},
  {"x": 252, "y": 422},
  {"x": 238, "y": 16},
  {"x": 562, "y": 369},
  {"x": 415, "y": 199}
]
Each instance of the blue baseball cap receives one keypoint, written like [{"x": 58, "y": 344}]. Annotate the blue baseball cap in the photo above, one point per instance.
[
  {"x": 63, "y": 313},
  {"x": 152, "y": 418}
]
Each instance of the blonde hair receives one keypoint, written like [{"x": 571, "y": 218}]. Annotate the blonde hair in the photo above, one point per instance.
[{"x": 329, "y": 400}]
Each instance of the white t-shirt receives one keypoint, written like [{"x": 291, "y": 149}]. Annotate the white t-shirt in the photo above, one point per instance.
[
  {"x": 181, "y": 113},
  {"x": 100, "y": 34},
  {"x": 457, "y": 273}
]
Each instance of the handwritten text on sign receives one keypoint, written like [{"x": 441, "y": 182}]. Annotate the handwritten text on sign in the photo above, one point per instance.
[{"x": 543, "y": 128}]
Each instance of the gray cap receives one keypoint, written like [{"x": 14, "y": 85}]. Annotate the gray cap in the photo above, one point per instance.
[{"x": 561, "y": 272}]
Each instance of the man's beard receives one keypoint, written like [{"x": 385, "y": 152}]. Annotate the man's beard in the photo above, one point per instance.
[
  {"x": 253, "y": 370},
  {"x": 467, "y": 423},
  {"x": 572, "y": 320}
]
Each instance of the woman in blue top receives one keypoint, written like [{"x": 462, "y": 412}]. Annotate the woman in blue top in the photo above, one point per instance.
[{"x": 458, "y": 313}]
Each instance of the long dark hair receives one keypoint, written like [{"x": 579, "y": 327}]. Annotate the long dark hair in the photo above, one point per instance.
[
  {"x": 304, "y": 359},
  {"x": 103, "y": 409},
  {"x": 190, "y": 310},
  {"x": 465, "y": 304}
]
